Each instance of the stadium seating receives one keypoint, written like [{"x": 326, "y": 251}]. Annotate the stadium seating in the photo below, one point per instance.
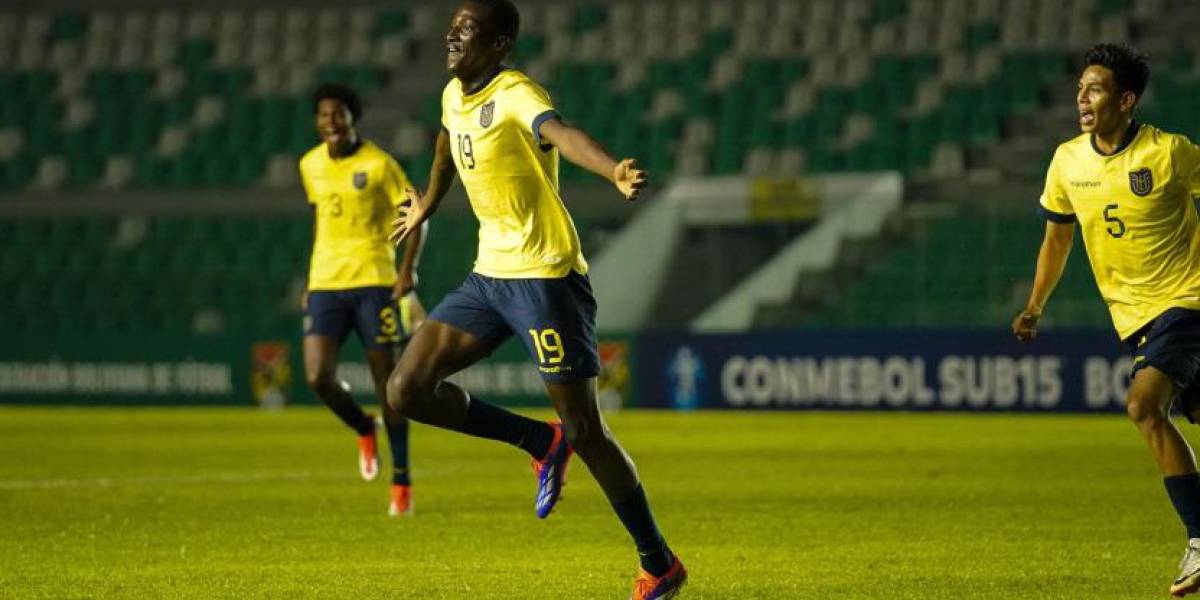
[
  {"x": 175, "y": 273},
  {"x": 135, "y": 274},
  {"x": 176, "y": 98},
  {"x": 965, "y": 271},
  {"x": 181, "y": 98}
]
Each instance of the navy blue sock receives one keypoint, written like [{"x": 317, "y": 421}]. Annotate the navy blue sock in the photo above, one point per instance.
[
  {"x": 398, "y": 443},
  {"x": 634, "y": 513},
  {"x": 494, "y": 423},
  {"x": 343, "y": 405},
  {"x": 1184, "y": 491}
]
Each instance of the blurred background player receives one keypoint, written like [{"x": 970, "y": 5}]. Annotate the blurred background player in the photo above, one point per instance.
[
  {"x": 503, "y": 136},
  {"x": 354, "y": 282},
  {"x": 1131, "y": 187}
]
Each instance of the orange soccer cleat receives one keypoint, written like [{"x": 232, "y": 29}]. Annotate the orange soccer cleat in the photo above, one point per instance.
[
  {"x": 401, "y": 504},
  {"x": 649, "y": 587}
]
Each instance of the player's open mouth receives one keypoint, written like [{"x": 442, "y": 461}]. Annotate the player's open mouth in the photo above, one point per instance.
[
  {"x": 1087, "y": 117},
  {"x": 454, "y": 51}
]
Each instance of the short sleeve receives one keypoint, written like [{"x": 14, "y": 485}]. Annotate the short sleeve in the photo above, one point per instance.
[
  {"x": 1056, "y": 205},
  {"x": 1186, "y": 163},
  {"x": 308, "y": 191},
  {"x": 445, "y": 100},
  {"x": 530, "y": 106},
  {"x": 395, "y": 181}
]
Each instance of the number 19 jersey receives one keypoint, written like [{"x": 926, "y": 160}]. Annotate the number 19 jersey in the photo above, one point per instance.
[
  {"x": 1138, "y": 220},
  {"x": 511, "y": 178}
]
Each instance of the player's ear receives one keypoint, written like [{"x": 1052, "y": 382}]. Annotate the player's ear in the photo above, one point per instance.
[
  {"x": 1128, "y": 101},
  {"x": 503, "y": 44}
]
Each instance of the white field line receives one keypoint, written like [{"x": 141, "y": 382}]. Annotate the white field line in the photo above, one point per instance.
[{"x": 260, "y": 477}]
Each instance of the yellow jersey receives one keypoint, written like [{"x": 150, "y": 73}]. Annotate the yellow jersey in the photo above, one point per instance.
[
  {"x": 511, "y": 178},
  {"x": 1138, "y": 220},
  {"x": 355, "y": 199}
]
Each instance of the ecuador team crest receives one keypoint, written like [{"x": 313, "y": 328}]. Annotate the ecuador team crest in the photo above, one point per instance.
[
  {"x": 1141, "y": 181},
  {"x": 486, "y": 113},
  {"x": 360, "y": 180}
]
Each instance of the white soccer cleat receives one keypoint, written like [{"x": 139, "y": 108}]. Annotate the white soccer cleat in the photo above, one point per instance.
[{"x": 1188, "y": 581}]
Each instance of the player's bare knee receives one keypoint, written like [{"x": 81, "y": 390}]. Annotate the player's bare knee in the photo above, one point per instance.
[
  {"x": 320, "y": 379},
  {"x": 1144, "y": 409},
  {"x": 586, "y": 436},
  {"x": 406, "y": 392},
  {"x": 398, "y": 397}
]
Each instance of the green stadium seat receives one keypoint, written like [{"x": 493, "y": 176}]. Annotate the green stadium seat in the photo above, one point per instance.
[
  {"x": 196, "y": 53},
  {"x": 588, "y": 17},
  {"x": 388, "y": 22},
  {"x": 527, "y": 48}
]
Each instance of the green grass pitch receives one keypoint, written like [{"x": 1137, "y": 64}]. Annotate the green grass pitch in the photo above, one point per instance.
[{"x": 193, "y": 503}]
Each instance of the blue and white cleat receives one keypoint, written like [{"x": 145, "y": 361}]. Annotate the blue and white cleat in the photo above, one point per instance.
[{"x": 551, "y": 472}]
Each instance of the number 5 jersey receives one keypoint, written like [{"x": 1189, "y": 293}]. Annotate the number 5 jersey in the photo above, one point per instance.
[{"x": 1136, "y": 211}]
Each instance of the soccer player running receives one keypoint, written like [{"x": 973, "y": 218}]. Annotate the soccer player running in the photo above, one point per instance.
[
  {"x": 1130, "y": 187},
  {"x": 353, "y": 280},
  {"x": 501, "y": 133}
]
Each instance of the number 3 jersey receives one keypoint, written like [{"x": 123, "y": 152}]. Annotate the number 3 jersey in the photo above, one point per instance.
[
  {"x": 355, "y": 198},
  {"x": 511, "y": 178},
  {"x": 1135, "y": 209}
]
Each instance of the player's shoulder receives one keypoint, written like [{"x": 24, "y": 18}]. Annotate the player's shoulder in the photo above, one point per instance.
[
  {"x": 510, "y": 79},
  {"x": 454, "y": 86},
  {"x": 1077, "y": 147},
  {"x": 371, "y": 151},
  {"x": 370, "y": 157},
  {"x": 1166, "y": 139},
  {"x": 315, "y": 157}
]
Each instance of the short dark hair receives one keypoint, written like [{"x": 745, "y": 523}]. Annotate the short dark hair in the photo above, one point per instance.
[
  {"x": 340, "y": 92},
  {"x": 1129, "y": 67},
  {"x": 503, "y": 17}
]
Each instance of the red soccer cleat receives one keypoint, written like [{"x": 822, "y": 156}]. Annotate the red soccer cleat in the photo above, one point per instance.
[
  {"x": 368, "y": 455},
  {"x": 401, "y": 504},
  {"x": 649, "y": 587}
]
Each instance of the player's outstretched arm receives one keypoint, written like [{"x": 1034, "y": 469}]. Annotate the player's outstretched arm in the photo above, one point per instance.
[
  {"x": 419, "y": 208},
  {"x": 579, "y": 148},
  {"x": 1052, "y": 259}
]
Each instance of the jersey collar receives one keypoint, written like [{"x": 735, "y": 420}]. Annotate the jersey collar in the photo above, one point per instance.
[
  {"x": 358, "y": 144},
  {"x": 486, "y": 82},
  {"x": 1134, "y": 128}
]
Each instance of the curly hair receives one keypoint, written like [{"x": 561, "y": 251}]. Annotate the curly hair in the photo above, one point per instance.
[{"x": 341, "y": 93}]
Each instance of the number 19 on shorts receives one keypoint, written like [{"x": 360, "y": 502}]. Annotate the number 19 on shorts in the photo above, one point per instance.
[{"x": 549, "y": 346}]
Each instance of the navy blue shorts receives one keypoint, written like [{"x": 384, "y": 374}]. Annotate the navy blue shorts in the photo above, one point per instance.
[
  {"x": 369, "y": 310},
  {"x": 555, "y": 319},
  {"x": 1171, "y": 344}
]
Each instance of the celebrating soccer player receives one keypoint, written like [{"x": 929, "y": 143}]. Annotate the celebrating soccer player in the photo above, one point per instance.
[
  {"x": 1130, "y": 187},
  {"x": 501, "y": 133},
  {"x": 353, "y": 280}
]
